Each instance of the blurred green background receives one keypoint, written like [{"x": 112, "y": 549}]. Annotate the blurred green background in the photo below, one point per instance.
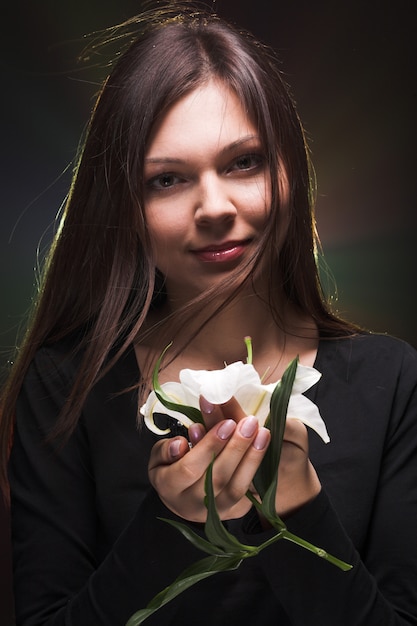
[{"x": 351, "y": 66}]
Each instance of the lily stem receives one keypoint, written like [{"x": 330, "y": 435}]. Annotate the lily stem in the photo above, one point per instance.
[{"x": 286, "y": 534}]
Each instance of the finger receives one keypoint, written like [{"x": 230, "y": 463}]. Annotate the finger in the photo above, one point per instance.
[
  {"x": 195, "y": 433},
  {"x": 228, "y": 443},
  {"x": 212, "y": 413},
  {"x": 227, "y": 462},
  {"x": 232, "y": 498},
  {"x": 180, "y": 485},
  {"x": 232, "y": 410},
  {"x": 210, "y": 446},
  {"x": 168, "y": 451},
  {"x": 191, "y": 467}
]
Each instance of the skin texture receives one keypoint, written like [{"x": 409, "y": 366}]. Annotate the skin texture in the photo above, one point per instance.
[
  {"x": 207, "y": 196},
  {"x": 177, "y": 472},
  {"x": 207, "y": 190}
]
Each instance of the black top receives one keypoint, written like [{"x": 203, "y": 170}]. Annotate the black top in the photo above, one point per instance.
[{"x": 89, "y": 550}]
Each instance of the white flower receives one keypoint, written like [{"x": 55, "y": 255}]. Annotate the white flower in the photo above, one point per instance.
[{"x": 243, "y": 382}]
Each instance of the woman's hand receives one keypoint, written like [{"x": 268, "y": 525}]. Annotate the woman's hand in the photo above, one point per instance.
[
  {"x": 178, "y": 472},
  {"x": 238, "y": 445},
  {"x": 298, "y": 482}
]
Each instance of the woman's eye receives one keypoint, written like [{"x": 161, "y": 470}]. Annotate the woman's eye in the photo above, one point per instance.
[
  {"x": 247, "y": 162},
  {"x": 163, "y": 181}
]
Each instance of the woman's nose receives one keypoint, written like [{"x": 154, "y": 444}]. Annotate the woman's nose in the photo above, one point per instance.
[{"x": 213, "y": 201}]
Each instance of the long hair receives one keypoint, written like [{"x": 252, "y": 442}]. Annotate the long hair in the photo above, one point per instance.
[{"x": 99, "y": 276}]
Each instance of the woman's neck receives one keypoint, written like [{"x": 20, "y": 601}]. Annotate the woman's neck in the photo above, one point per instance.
[{"x": 221, "y": 340}]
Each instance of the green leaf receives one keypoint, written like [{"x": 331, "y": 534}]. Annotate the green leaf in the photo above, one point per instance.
[
  {"x": 189, "y": 577},
  {"x": 196, "y": 540},
  {"x": 189, "y": 411},
  {"x": 266, "y": 477},
  {"x": 215, "y": 531}
]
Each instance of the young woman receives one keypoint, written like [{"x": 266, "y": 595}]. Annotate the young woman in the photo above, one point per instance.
[{"x": 190, "y": 220}]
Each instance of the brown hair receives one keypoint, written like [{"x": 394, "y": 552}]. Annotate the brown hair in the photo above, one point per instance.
[{"x": 99, "y": 276}]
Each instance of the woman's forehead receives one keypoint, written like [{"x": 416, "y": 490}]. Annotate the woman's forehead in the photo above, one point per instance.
[{"x": 210, "y": 116}]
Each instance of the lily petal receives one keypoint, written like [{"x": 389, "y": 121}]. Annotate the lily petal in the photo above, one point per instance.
[
  {"x": 239, "y": 380},
  {"x": 301, "y": 408},
  {"x": 218, "y": 386},
  {"x": 153, "y": 405},
  {"x": 305, "y": 378}
]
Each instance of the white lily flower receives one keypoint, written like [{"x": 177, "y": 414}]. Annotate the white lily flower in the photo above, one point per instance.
[{"x": 242, "y": 381}]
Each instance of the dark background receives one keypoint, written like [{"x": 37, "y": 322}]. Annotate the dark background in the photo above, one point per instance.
[{"x": 352, "y": 71}]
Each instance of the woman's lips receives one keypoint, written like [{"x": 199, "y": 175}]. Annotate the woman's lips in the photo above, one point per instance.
[{"x": 228, "y": 251}]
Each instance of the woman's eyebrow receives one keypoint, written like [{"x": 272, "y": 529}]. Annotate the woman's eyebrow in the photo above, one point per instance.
[
  {"x": 163, "y": 160},
  {"x": 239, "y": 142},
  {"x": 228, "y": 148}
]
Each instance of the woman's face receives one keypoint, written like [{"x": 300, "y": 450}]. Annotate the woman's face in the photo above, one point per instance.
[{"x": 207, "y": 190}]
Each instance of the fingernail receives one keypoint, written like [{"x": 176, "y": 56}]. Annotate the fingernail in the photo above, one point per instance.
[
  {"x": 248, "y": 426},
  {"x": 206, "y": 406},
  {"x": 226, "y": 429},
  {"x": 174, "y": 447},
  {"x": 261, "y": 439},
  {"x": 195, "y": 433}
]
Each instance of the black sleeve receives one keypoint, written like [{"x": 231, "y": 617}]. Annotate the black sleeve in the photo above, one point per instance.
[
  {"x": 61, "y": 575},
  {"x": 381, "y": 589},
  {"x": 66, "y": 574},
  {"x": 313, "y": 591}
]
